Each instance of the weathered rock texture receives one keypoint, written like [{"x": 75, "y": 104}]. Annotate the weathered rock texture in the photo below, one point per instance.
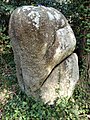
[{"x": 41, "y": 39}]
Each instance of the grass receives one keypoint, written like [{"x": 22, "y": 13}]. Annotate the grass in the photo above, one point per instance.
[{"x": 15, "y": 105}]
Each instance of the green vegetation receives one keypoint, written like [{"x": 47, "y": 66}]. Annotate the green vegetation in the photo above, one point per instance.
[{"x": 14, "y": 104}]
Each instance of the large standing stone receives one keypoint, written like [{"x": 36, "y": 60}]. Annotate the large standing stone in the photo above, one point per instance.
[{"x": 41, "y": 39}]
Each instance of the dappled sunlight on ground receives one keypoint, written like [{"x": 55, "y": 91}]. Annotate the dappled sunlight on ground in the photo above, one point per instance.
[{"x": 7, "y": 94}]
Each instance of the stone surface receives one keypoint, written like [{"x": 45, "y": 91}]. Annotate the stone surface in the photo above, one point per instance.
[
  {"x": 61, "y": 81},
  {"x": 41, "y": 39}
]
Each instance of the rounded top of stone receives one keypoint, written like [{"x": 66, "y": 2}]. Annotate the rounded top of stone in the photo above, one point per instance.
[{"x": 37, "y": 12}]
